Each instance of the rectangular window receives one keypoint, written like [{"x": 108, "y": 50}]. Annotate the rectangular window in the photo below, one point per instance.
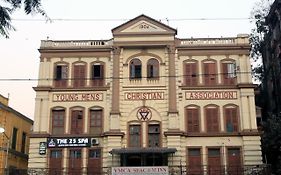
[
  {"x": 214, "y": 161},
  {"x": 55, "y": 162},
  {"x": 76, "y": 122},
  {"x": 61, "y": 76},
  {"x": 75, "y": 161},
  {"x": 23, "y": 142},
  {"x": 134, "y": 136},
  {"x": 58, "y": 121},
  {"x": 97, "y": 75},
  {"x": 79, "y": 76},
  {"x": 96, "y": 122},
  {"x": 212, "y": 119},
  {"x": 14, "y": 138},
  {"x": 192, "y": 117},
  {"x": 229, "y": 73},
  {"x": 94, "y": 161},
  {"x": 190, "y": 74},
  {"x": 210, "y": 74},
  {"x": 194, "y": 161},
  {"x": 153, "y": 136}
]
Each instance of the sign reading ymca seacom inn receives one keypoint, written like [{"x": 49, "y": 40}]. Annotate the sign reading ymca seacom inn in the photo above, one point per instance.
[{"x": 145, "y": 102}]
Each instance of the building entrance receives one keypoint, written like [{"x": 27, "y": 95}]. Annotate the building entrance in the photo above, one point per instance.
[
  {"x": 143, "y": 156},
  {"x": 144, "y": 159}
]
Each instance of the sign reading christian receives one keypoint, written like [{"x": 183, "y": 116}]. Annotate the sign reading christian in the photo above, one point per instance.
[
  {"x": 144, "y": 95},
  {"x": 68, "y": 142},
  {"x": 211, "y": 95},
  {"x": 77, "y": 97},
  {"x": 152, "y": 170}
]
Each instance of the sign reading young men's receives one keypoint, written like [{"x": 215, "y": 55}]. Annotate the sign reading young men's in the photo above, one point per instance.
[
  {"x": 211, "y": 95},
  {"x": 68, "y": 142},
  {"x": 152, "y": 170},
  {"x": 72, "y": 97}
]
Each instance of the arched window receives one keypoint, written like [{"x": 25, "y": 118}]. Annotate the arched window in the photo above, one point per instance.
[
  {"x": 152, "y": 68},
  {"x": 212, "y": 118},
  {"x": 77, "y": 115},
  {"x": 79, "y": 75},
  {"x": 190, "y": 74},
  {"x": 192, "y": 118},
  {"x": 135, "y": 135},
  {"x": 96, "y": 121},
  {"x": 135, "y": 68},
  {"x": 97, "y": 74},
  {"x": 58, "y": 116},
  {"x": 61, "y": 75},
  {"x": 231, "y": 118},
  {"x": 153, "y": 135},
  {"x": 228, "y": 72},
  {"x": 210, "y": 73}
]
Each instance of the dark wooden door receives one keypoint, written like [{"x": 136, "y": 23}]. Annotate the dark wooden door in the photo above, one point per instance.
[
  {"x": 75, "y": 162},
  {"x": 234, "y": 161}
]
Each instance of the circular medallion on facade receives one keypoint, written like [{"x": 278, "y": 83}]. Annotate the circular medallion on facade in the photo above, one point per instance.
[{"x": 144, "y": 114}]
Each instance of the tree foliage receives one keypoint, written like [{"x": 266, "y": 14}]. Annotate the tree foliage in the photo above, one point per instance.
[
  {"x": 10, "y": 6},
  {"x": 257, "y": 36}
]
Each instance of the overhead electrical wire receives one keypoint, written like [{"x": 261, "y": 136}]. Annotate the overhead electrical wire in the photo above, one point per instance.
[
  {"x": 112, "y": 19},
  {"x": 175, "y": 76}
]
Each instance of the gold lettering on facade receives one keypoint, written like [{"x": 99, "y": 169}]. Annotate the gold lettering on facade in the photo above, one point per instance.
[
  {"x": 69, "y": 97},
  {"x": 144, "y": 95},
  {"x": 206, "y": 95}
]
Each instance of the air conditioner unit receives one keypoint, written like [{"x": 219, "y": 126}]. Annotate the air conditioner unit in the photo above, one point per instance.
[{"x": 94, "y": 141}]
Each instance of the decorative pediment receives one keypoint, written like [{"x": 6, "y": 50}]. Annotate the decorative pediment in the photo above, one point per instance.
[{"x": 143, "y": 25}]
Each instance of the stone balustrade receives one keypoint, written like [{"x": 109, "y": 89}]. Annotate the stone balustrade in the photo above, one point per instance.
[{"x": 74, "y": 44}]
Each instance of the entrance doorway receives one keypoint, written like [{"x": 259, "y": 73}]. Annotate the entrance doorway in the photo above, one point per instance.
[{"x": 152, "y": 159}]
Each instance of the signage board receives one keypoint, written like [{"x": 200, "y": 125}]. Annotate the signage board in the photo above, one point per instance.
[
  {"x": 144, "y": 96},
  {"x": 210, "y": 95},
  {"x": 73, "y": 97},
  {"x": 42, "y": 148},
  {"x": 68, "y": 142},
  {"x": 149, "y": 170}
]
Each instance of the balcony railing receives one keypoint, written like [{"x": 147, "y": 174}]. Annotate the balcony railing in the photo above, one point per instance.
[
  {"x": 173, "y": 170},
  {"x": 240, "y": 39},
  {"x": 74, "y": 44}
]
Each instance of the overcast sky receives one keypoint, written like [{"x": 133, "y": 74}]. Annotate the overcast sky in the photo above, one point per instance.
[{"x": 20, "y": 57}]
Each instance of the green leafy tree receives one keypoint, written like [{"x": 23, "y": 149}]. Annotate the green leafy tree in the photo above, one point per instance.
[
  {"x": 257, "y": 36},
  {"x": 10, "y": 6},
  {"x": 271, "y": 127}
]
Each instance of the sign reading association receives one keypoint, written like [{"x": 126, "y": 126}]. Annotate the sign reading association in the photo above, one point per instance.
[
  {"x": 68, "y": 142},
  {"x": 69, "y": 97},
  {"x": 211, "y": 95},
  {"x": 153, "y": 170}
]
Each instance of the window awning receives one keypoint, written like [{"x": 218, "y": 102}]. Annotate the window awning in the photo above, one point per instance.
[{"x": 143, "y": 150}]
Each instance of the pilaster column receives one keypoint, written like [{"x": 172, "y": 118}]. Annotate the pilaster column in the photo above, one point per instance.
[{"x": 115, "y": 108}]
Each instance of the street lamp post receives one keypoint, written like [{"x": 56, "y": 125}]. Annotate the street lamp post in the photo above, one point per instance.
[{"x": 2, "y": 130}]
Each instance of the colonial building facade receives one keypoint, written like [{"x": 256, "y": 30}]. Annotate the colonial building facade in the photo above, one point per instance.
[
  {"x": 14, "y": 142},
  {"x": 145, "y": 99}
]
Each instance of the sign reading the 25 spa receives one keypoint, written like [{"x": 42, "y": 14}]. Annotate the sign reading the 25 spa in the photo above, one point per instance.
[{"x": 68, "y": 142}]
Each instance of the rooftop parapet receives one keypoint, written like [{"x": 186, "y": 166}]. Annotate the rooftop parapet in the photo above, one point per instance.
[
  {"x": 74, "y": 44},
  {"x": 240, "y": 39}
]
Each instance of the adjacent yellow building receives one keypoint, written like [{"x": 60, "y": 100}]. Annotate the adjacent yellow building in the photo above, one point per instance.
[
  {"x": 16, "y": 138},
  {"x": 145, "y": 102}
]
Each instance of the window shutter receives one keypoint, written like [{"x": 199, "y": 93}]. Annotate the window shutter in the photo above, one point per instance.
[
  {"x": 231, "y": 117},
  {"x": 212, "y": 119},
  {"x": 79, "y": 76},
  {"x": 76, "y": 122},
  {"x": 192, "y": 120}
]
